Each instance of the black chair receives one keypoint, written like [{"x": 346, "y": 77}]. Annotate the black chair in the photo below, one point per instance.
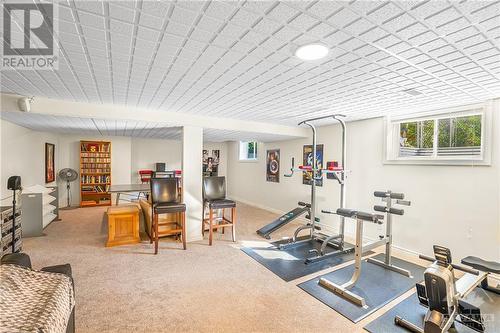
[
  {"x": 165, "y": 200},
  {"x": 214, "y": 197}
]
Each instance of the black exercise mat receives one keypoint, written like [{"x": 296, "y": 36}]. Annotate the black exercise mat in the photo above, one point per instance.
[
  {"x": 289, "y": 264},
  {"x": 411, "y": 310},
  {"x": 377, "y": 285}
]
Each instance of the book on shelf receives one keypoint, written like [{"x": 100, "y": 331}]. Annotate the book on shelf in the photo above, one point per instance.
[{"x": 95, "y": 179}]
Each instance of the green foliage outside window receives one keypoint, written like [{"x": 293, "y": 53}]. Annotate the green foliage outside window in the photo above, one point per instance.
[
  {"x": 417, "y": 134},
  {"x": 252, "y": 149},
  {"x": 460, "y": 132}
]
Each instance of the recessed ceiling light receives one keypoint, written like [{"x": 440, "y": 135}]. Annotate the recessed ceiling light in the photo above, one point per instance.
[
  {"x": 412, "y": 92},
  {"x": 311, "y": 52}
]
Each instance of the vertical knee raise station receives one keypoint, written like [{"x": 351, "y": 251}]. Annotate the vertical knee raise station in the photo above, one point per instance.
[
  {"x": 315, "y": 235},
  {"x": 361, "y": 217}
]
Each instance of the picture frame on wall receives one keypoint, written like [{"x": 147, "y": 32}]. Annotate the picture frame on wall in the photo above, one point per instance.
[
  {"x": 50, "y": 174},
  {"x": 273, "y": 166},
  {"x": 211, "y": 163},
  {"x": 307, "y": 153}
]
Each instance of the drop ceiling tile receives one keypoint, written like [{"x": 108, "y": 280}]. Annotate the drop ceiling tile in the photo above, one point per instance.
[
  {"x": 220, "y": 10},
  {"x": 177, "y": 29},
  {"x": 324, "y": 9},
  {"x": 422, "y": 38},
  {"x": 121, "y": 13},
  {"x": 184, "y": 16},
  {"x": 91, "y": 20},
  {"x": 359, "y": 27},
  {"x": 343, "y": 18},
  {"x": 91, "y": 6},
  {"x": 258, "y": 7},
  {"x": 283, "y": 13},
  {"x": 147, "y": 34},
  {"x": 267, "y": 27},
  {"x": 209, "y": 24},
  {"x": 245, "y": 18},
  {"x": 151, "y": 21},
  {"x": 303, "y": 22},
  {"x": 89, "y": 32},
  {"x": 374, "y": 34},
  {"x": 385, "y": 13},
  {"x": 68, "y": 38}
]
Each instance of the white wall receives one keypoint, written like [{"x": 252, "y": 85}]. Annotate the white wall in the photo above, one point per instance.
[
  {"x": 454, "y": 206},
  {"x": 146, "y": 152},
  {"x": 23, "y": 154}
]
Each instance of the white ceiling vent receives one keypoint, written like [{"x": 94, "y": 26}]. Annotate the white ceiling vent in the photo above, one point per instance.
[{"x": 412, "y": 92}]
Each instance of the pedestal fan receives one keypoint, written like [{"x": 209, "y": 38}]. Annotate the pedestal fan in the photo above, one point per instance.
[{"x": 68, "y": 175}]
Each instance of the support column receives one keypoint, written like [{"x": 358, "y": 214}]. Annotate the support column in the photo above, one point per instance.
[{"x": 192, "y": 147}]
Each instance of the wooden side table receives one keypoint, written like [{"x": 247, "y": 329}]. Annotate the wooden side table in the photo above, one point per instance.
[{"x": 123, "y": 225}]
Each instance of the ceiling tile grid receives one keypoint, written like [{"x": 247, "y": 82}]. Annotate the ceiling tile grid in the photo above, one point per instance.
[{"x": 235, "y": 58}]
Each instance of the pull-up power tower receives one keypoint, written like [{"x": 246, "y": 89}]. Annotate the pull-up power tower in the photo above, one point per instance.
[{"x": 336, "y": 241}]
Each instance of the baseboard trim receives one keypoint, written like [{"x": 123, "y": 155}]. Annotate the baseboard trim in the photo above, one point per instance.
[{"x": 254, "y": 204}]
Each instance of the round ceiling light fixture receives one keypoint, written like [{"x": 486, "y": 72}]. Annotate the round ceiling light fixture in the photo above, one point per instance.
[{"x": 311, "y": 52}]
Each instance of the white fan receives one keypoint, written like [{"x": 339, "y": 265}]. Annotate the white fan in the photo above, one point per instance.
[{"x": 68, "y": 175}]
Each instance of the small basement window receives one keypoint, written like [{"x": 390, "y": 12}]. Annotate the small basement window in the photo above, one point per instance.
[
  {"x": 248, "y": 150},
  {"x": 442, "y": 138}
]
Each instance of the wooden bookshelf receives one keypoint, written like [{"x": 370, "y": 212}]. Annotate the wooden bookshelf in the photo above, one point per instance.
[{"x": 95, "y": 173}]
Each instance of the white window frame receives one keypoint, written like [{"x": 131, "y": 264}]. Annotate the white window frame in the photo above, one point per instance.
[
  {"x": 392, "y": 135},
  {"x": 240, "y": 152}
]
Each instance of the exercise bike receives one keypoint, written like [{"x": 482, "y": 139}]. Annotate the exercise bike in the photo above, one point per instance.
[{"x": 444, "y": 295}]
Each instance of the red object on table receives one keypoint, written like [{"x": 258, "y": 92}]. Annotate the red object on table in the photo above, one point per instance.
[{"x": 305, "y": 167}]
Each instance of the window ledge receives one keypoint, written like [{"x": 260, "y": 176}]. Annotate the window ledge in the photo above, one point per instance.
[
  {"x": 457, "y": 162},
  {"x": 253, "y": 160}
]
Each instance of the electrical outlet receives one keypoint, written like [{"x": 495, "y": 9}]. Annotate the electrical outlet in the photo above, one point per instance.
[{"x": 469, "y": 233}]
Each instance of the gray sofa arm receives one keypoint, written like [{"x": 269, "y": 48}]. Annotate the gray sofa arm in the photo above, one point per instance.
[
  {"x": 23, "y": 260},
  {"x": 20, "y": 259}
]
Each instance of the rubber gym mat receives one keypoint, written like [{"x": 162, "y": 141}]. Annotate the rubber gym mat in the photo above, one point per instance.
[
  {"x": 376, "y": 284},
  {"x": 411, "y": 310},
  {"x": 289, "y": 264}
]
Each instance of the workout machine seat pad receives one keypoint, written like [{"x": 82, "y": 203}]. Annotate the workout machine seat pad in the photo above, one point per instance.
[
  {"x": 482, "y": 265},
  {"x": 352, "y": 213}
]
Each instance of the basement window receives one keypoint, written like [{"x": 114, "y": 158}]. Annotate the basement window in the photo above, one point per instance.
[
  {"x": 445, "y": 137},
  {"x": 248, "y": 151}
]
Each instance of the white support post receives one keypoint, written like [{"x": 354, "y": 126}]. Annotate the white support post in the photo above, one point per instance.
[{"x": 192, "y": 147}]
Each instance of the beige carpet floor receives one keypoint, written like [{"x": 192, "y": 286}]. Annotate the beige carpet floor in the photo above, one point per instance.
[{"x": 204, "y": 289}]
